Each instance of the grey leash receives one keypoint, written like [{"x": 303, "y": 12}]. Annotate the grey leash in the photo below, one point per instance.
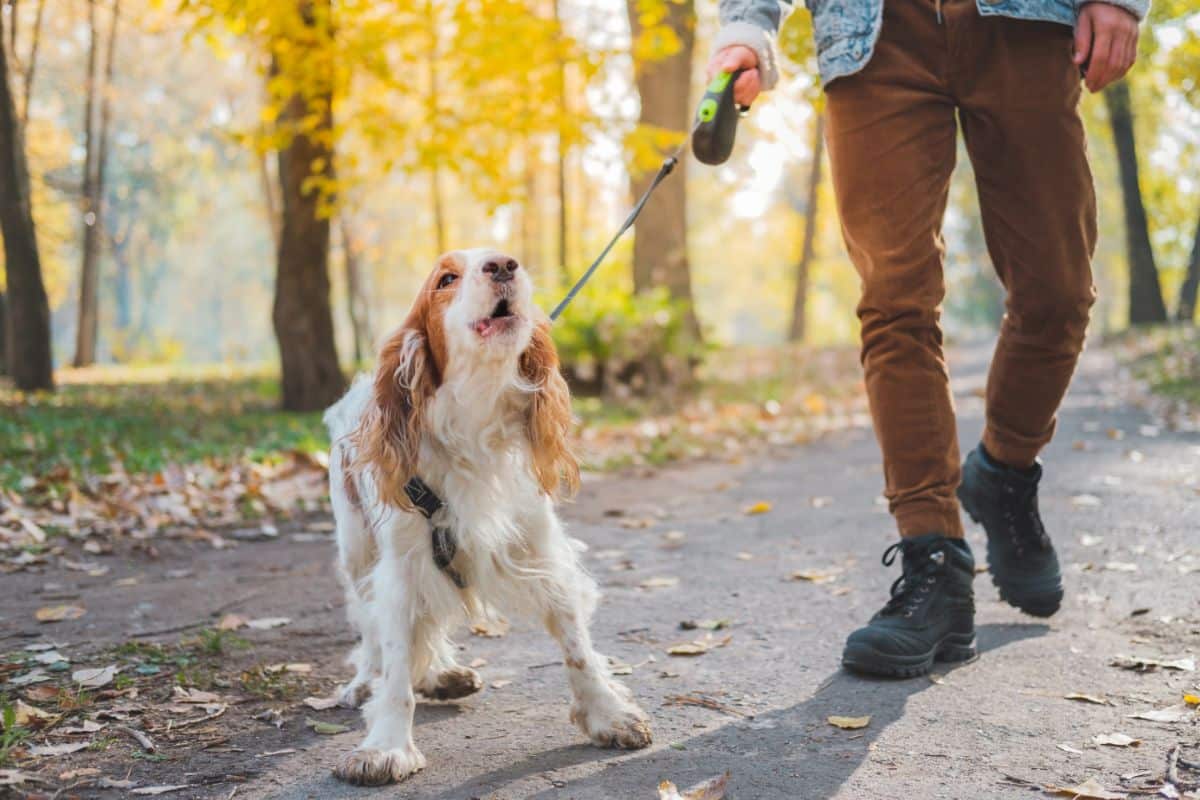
[{"x": 667, "y": 166}]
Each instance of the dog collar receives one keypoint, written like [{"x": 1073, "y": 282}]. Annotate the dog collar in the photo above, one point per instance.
[{"x": 445, "y": 547}]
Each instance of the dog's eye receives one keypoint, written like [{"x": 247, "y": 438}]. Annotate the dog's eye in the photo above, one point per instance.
[{"x": 446, "y": 280}]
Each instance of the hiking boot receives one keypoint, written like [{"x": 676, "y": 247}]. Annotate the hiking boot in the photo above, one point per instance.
[
  {"x": 930, "y": 616},
  {"x": 1020, "y": 555}
]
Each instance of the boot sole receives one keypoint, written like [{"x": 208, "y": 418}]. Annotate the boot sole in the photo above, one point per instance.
[
  {"x": 1036, "y": 604},
  {"x": 953, "y": 647}
]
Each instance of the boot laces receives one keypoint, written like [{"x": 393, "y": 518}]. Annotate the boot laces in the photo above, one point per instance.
[
  {"x": 1022, "y": 519},
  {"x": 919, "y": 568}
]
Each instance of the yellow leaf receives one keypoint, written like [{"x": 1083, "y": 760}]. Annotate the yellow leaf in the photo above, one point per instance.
[
  {"x": 59, "y": 613},
  {"x": 850, "y": 723},
  {"x": 761, "y": 507},
  {"x": 1192, "y": 699}
]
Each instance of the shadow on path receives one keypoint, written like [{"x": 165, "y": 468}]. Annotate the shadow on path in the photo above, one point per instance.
[{"x": 787, "y": 754}]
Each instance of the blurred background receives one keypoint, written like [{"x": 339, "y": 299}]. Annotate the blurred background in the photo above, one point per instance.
[{"x": 234, "y": 199}]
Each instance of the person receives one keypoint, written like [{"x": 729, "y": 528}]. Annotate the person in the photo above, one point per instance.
[{"x": 900, "y": 76}]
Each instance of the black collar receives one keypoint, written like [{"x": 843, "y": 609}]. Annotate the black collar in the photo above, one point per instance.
[{"x": 444, "y": 545}]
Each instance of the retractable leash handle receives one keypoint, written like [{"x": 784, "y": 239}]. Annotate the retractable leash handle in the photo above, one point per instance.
[{"x": 716, "y": 120}]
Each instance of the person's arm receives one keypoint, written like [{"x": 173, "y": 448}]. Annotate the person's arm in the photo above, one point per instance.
[
  {"x": 1106, "y": 38},
  {"x": 746, "y": 41}
]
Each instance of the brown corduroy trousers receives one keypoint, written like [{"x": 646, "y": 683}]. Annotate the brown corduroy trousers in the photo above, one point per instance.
[{"x": 891, "y": 130}]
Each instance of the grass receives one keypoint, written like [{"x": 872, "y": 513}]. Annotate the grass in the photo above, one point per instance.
[
  {"x": 140, "y": 421},
  {"x": 1168, "y": 359},
  {"x": 12, "y": 733}
]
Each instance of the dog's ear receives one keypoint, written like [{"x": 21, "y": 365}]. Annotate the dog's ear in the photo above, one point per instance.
[
  {"x": 388, "y": 439},
  {"x": 549, "y": 421}
]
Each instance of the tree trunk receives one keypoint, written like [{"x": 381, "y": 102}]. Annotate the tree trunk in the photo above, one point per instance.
[
  {"x": 1186, "y": 310},
  {"x": 800, "y": 298},
  {"x": 28, "y": 333},
  {"x": 89, "y": 281},
  {"x": 1145, "y": 294},
  {"x": 660, "y": 238},
  {"x": 356, "y": 295},
  {"x": 31, "y": 67},
  {"x": 270, "y": 198},
  {"x": 3, "y": 335},
  {"x": 311, "y": 376}
]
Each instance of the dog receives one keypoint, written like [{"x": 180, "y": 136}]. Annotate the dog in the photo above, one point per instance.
[{"x": 444, "y": 470}]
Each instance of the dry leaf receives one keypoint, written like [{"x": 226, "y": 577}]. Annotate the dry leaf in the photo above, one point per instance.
[
  {"x": 761, "y": 507},
  {"x": 1085, "y": 501},
  {"x": 57, "y": 749},
  {"x": 659, "y": 582},
  {"x": 325, "y": 728},
  {"x": 745, "y": 556},
  {"x": 1121, "y": 566},
  {"x": 687, "y": 649},
  {"x": 13, "y": 777},
  {"x": 152, "y": 790},
  {"x": 815, "y": 575},
  {"x": 1066, "y": 748},
  {"x": 1088, "y": 790},
  {"x": 1145, "y": 664},
  {"x": 1116, "y": 740},
  {"x": 183, "y": 695},
  {"x": 1088, "y": 698},
  {"x": 267, "y": 623},
  {"x": 1179, "y": 713},
  {"x": 59, "y": 613},
  {"x": 849, "y": 723},
  {"x": 95, "y": 678},
  {"x": 27, "y": 713},
  {"x": 1191, "y": 699},
  {"x": 711, "y": 789},
  {"x": 490, "y": 628},
  {"x": 231, "y": 622},
  {"x": 320, "y": 703},
  {"x": 501, "y": 684}
]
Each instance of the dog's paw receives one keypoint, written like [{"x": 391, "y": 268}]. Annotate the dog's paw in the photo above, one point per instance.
[
  {"x": 451, "y": 684},
  {"x": 354, "y": 694},
  {"x": 614, "y": 724},
  {"x": 370, "y": 767}
]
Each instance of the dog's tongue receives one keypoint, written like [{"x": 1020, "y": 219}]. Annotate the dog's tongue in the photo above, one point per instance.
[{"x": 483, "y": 327}]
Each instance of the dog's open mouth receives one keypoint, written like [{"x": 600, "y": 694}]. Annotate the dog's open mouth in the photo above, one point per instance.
[{"x": 502, "y": 318}]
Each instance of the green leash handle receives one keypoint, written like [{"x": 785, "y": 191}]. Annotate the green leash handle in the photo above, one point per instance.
[{"x": 716, "y": 120}]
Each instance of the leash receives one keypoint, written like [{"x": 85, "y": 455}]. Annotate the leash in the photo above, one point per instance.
[{"x": 711, "y": 137}]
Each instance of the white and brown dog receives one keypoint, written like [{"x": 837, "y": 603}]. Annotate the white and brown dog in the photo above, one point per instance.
[{"x": 468, "y": 401}]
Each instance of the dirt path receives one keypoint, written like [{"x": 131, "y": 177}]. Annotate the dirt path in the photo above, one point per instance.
[{"x": 1122, "y": 501}]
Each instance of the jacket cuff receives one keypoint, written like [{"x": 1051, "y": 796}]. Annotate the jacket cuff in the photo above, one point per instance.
[
  {"x": 1139, "y": 8},
  {"x": 762, "y": 43}
]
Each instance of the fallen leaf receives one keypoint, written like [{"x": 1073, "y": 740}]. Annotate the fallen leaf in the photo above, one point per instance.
[
  {"x": 1088, "y": 698},
  {"x": 815, "y": 575},
  {"x": 1121, "y": 566},
  {"x": 659, "y": 582},
  {"x": 761, "y": 507},
  {"x": 267, "y": 623},
  {"x": 711, "y": 789},
  {"x": 1146, "y": 664},
  {"x": 50, "y": 657},
  {"x": 13, "y": 777},
  {"x": 320, "y": 703},
  {"x": 500, "y": 684},
  {"x": 849, "y": 723},
  {"x": 1066, "y": 748},
  {"x": 1179, "y": 713},
  {"x": 57, "y": 749},
  {"x": 231, "y": 622},
  {"x": 36, "y": 675},
  {"x": 745, "y": 556},
  {"x": 490, "y": 628},
  {"x": 476, "y": 663},
  {"x": 1116, "y": 740},
  {"x": 325, "y": 728},
  {"x": 94, "y": 678},
  {"x": 687, "y": 649},
  {"x": 1088, "y": 790},
  {"x": 704, "y": 624},
  {"x": 1191, "y": 699},
  {"x": 821, "y": 502},
  {"x": 284, "y": 752},
  {"x": 152, "y": 790},
  {"x": 42, "y": 694},
  {"x": 59, "y": 613},
  {"x": 185, "y": 695},
  {"x": 1085, "y": 501}
]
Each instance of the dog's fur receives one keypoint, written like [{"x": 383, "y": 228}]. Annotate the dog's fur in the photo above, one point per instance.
[{"x": 476, "y": 407}]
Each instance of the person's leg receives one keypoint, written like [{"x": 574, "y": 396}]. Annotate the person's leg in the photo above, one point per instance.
[
  {"x": 891, "y": 134},
  {"x": 1027, "y": 145},
  {"x": 1019, "y": 93}
]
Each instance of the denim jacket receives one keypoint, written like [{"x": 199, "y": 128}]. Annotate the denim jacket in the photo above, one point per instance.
[{"x": 846, "y": 30}]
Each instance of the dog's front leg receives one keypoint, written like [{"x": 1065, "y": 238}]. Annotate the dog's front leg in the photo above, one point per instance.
[
  {"x": 603, "y": 708},
  {"x": 388, "y": 753}
]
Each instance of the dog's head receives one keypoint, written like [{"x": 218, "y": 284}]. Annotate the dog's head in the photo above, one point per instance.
[{"x": 474, "y": 318}]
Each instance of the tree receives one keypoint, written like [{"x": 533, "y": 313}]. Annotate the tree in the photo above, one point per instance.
[
  {"x": 800, "y": 297},
  {"x": 1145, "y": 294},
  {"x": 664, "y": 36},
  {"x": 94, "y": 167},
  {"x": 311, "y": 376},
  {"x": 28, "y": 334},
  {"x": 1185, "y": 311}
]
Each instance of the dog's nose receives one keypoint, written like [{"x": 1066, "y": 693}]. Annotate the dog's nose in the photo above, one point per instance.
[{"x": 501, "y": 268}]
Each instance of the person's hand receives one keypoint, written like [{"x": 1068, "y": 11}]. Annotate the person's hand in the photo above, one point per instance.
[
  {"x": 731, "y": 59},
  {"x": 1106, "y": 39}
]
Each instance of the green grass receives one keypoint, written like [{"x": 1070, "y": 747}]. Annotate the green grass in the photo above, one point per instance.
[
  {"x": 144, "y": 421},
  {"x": 1168, "y": 359}
]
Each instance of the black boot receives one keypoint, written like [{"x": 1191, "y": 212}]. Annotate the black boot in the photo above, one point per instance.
[
  {"x": 931, "y": 615},
  {"x": 1021, "y": 558}
]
